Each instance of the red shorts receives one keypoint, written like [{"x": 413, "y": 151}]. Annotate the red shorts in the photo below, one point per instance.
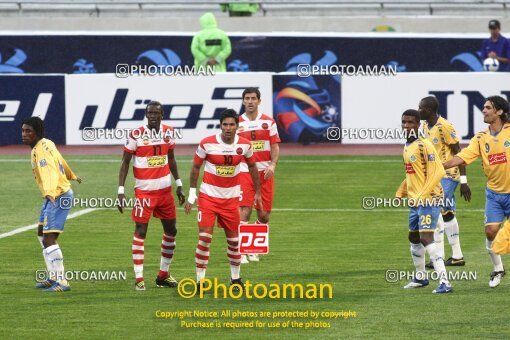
[
  {"x": 160, "y": 204},
  {"x": 248, "y": 191},
  {"x": 227, "y": 212}
]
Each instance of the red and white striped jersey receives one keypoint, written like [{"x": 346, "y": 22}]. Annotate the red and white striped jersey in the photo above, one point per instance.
[
  {"x": 262, "y": 133},
  {"x": 150, "y": 158},
  {"x": 222, "y": 166}
]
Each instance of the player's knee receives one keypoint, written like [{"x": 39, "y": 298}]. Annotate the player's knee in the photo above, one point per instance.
[
  {"x": 491, "y": 231},
  {"x": 172, "y": 230},
  {"x": 48, "y": 240},
  {"x": 141, "y": 230},
  {"x": 426, "y": 238},
  {"x": 448, "y": 216},
  {"x": 414, "y": 237}
]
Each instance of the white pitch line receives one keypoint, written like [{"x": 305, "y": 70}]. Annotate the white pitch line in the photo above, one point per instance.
[
  {"x": 88, "y": 210},
  {"x": 33, "y": 226}
]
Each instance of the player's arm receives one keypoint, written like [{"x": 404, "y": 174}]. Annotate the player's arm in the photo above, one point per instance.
[
  {"x": 274, "y": 139},
  {"x": 193, "y": 177},
  {"x": 465, "y": 191},
  {"x": 402, "y": 190},
  {"x": 48, "y": 172},
  {"x": 124, "y": 169},
  {"x": 193, "y": 180},
  {"x": 70, "y": 175},
  {"x": 254, "y": 173},
  {"x": 435, "y": 171},
  {"x": 175, "y": 173},
  {"x": 275, "y": 155},
  {"x": 467, "y": 156}
]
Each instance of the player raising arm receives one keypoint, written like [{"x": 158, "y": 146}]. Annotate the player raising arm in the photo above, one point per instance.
[
  {"x": 493, "y": 146},
  {"x": 52, "y": 175},
  {"x": 152, "y": 146},
  {"x": 218, "y": 200},
  {"x": 422, "y": 186}
]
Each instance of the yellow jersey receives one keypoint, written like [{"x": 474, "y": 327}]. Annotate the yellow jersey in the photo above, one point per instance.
[
  {"x": 424, "y": 172},
  {"x": 50, "y": 169},
  {"x": 442, "y": 135},
  {"x": 495, "y": 153}
]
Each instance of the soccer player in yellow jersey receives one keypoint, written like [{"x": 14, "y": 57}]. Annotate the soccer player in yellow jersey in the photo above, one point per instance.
[
  {"x": 443, "y": 136},
  {"x": 422, "y": 187},
  {"x": 493, "y": 146},
  {"x": 52, "y": 175}
]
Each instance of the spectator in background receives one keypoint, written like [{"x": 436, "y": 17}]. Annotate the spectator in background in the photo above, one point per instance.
[
  {"x": 240, "y": 9},
  {"x": 497, "y": 46},
  {"x": 211, "y": 46}
]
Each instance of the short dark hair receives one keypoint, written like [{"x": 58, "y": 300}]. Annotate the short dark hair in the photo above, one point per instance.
[
  {"x": 413, "y": 113},
  {"x": 500, "y": 103},
  {"x": 431, "y": 104},
  {"x": 252, "y": 90},
  {"x": 37, "y": 124},
  {"x": 154, "y": 103},
  {"x": 229, "y": 113}
]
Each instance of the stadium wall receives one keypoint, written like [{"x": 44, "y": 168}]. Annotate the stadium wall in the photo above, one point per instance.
[
  {"x": 78, "y": 109},
  {"x": 85, "y": 52}
]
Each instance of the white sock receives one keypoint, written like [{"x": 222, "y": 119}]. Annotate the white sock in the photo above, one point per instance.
[
  {"x": 40, "y": 238},
  {"x": 418, "y": 255},
  {"x": 439, "y": 236},
  {"x": 200, "y": 274},
  {"x": 438, "y": 262},
  {"x": 452, "y": 232},
  {"x": 496, "y": 259},
  {"x": 235, "y": 272},
  {"x": 56, "y": 260},
  {"x": 49, "y": 268}
]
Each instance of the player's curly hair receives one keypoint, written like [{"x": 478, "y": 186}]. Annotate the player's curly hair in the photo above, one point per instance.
[
  {"x": 413, "y": 113},
  {"x": 229, "y": 113},
  {"x": 154, "y": 103},
  {"x": 500, "y": 103},
  {"x": 37, "y": 124}
]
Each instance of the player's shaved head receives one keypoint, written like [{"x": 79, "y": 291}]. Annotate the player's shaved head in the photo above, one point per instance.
[
  {"x": 412, "y": 113},
  {"x": 430, "y": 104},
  {"x": 37, "y": 124},
  {"x": 229, "y": 113},
  {"x": 252, "y": 90}
]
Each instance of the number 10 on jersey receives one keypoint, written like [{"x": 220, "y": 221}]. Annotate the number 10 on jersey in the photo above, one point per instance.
[{"x": 253, "y": 239}]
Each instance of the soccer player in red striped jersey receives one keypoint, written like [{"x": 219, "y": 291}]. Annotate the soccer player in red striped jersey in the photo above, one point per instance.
[
  {"x": 152, "y": 148},
  {"x": 262, "y": 132},
  {"x": 221, "y": 155}
]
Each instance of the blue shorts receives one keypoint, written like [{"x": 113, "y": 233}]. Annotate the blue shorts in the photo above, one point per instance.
[
  {"x": 449, "y": 186},
  {"x": 497, "y": 207},
  {"x": 423, "y": 218},
  {"x": 53, "y": 217}
]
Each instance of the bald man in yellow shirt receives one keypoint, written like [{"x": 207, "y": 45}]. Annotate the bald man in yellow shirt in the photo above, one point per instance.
[
  {"x": 52, "y": 175},
  {"x": 493, "y": 146}
]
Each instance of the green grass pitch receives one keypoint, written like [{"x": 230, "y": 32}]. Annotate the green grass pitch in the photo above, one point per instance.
[{"x": 319, "y": 234}]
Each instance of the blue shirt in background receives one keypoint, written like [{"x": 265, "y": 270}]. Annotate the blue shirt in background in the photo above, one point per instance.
[{"x": 500, "y": 46}]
